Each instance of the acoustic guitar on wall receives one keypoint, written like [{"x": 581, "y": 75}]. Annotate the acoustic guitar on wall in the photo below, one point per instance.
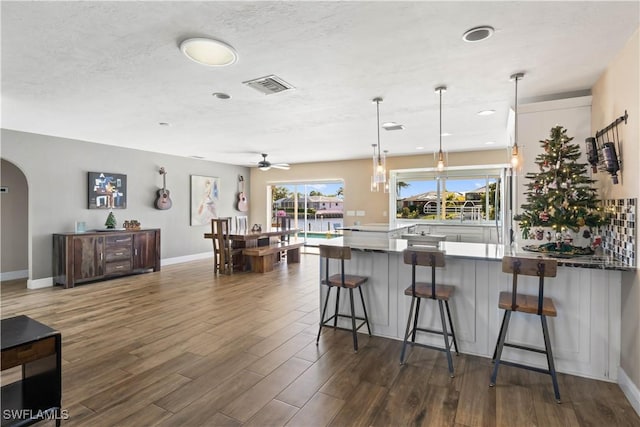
[
  {"x": 163, "y": 199},
  {"x": 243, "y": 203}
]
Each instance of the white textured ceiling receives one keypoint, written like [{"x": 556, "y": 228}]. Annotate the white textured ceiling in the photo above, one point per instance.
[{"x": 109, "y": 72}]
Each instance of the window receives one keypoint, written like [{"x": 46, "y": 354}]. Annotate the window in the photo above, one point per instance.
[{"x": 458, "y": 195}]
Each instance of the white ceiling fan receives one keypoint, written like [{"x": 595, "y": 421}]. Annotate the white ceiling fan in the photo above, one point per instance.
[{"x": 265, "y": 165}]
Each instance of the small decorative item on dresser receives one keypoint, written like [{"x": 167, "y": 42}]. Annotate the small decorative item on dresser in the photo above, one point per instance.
[
  {"x": 111, "y": 222},
  {"x": 131, "y": 224}
]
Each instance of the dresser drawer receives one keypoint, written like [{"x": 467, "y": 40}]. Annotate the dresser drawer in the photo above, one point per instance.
[
  {"x": 118, "y": 267},
  {"x": 117, "y": 253},
  {"x": 28, "y": 352},
  {"x": 120, "y": 240}
]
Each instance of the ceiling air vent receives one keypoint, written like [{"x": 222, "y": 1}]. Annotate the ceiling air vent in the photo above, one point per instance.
[{"x": 269, "y": 84}]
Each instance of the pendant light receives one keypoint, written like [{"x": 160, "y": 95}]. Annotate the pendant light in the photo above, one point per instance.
[
  {"x": 514, "y": 147},
  {"x": 379, "y": 176},
  {"x": 440, "y": 164}
]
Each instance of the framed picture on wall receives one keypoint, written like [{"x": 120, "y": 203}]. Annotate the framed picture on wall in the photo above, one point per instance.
[
  {"x": 107, "y": 190},
  {"x": 205, "y": 191}
]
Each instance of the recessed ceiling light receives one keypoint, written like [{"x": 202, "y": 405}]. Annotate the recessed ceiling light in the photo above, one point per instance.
[
  {"x": 486, "y": 112},
  {"x": 445, "y": 134},
  {"x": 478, "y": 34},
  {"x": 210, "y": 52},
  {"x": 164, "y": 124},
  {"x": 221, "y": 95},
  {"x": 392, "y": 126},
  {"x": 419, "y": 148},
  {"x": 490, "y": 142}
]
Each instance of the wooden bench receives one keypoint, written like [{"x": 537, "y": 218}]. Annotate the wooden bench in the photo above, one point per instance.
[{"x": 263, "y": 258}]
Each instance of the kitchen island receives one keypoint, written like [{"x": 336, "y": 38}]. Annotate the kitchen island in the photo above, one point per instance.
[{"x": 585, "y": 335}]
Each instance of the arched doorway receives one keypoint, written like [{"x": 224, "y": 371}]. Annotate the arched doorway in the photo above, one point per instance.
[{"x": 14, "y": 223}]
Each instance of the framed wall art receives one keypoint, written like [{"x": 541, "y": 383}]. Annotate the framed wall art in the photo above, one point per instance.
[
  {"x": 107, "y": 190},
  {"x": 205, "y": 191}
]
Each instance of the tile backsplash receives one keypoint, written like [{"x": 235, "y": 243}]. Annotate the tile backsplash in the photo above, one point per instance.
[{"x": 619, "y": 236}]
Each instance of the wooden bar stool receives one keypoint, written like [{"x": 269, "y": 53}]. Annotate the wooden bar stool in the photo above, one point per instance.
[
  {"x": 339, "y": 281},
  {"x": 433, "y": 258},
  {"x": 531, "y": 304}
]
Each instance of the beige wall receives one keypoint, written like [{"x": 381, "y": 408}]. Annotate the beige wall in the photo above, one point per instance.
[
  {"x": 356, "y": 175},
  {"x": 617, "y": 90},
  {"x": 13, "y": 220}
]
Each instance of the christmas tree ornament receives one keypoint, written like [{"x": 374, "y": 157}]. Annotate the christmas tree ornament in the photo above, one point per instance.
[{"x": 539, "y": 234}]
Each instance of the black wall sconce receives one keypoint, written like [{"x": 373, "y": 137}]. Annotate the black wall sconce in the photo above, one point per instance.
[{"x": 602, "y": 154}]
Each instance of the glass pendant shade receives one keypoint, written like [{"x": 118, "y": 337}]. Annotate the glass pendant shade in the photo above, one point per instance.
[
  {"x": 514, "y": 156},
  {"x": 440, "y": 165}
]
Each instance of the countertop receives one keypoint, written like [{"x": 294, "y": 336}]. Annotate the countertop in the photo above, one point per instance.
[
  {"x": 377, "y": 228},
  {"x": 477, "y": 251}
]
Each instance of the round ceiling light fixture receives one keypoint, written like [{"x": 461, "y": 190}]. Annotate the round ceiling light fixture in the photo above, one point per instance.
[
  {"x": 209, "y": 52},
  {"x": 221, "y": 95},
  {"x": 478, "y": 34}
]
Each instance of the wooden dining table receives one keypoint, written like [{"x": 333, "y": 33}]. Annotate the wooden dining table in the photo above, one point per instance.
[{"x": 252, "y": 239}]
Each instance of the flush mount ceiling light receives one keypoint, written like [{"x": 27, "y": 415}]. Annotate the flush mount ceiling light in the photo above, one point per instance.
[
  {"x": 209, "y": 52},
  {"x": 478, "y": 34},
  {"x": 486, "y": 112}
]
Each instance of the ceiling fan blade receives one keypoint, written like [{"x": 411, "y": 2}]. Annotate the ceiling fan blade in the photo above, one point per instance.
[{"x": 283, "y": 166}]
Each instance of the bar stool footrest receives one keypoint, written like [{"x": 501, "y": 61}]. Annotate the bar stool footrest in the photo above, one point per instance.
[
  {"x": 530, "y": 368},
  {"x": 346, "y": 316},
  {"x": 524, "y": 347},
  {"x": 431, "y": 331}
]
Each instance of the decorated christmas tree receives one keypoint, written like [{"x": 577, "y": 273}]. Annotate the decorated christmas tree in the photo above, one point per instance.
[{"x": 560, "y": 195}]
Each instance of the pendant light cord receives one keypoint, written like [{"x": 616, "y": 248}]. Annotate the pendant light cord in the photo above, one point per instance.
[{"x": 378, "y": 115}]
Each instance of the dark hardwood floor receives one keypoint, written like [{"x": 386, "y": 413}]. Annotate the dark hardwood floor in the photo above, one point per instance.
[{"x": 183, "y": 347}]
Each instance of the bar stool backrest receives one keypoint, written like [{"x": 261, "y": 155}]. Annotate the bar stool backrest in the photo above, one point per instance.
[
  {"x": 426, "y": 257},
  {"x": 334, "y": 252},
  {"x": 540, "y": 267}
]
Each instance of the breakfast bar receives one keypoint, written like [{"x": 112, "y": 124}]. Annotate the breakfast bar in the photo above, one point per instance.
[{"x": 585, "y": 335}]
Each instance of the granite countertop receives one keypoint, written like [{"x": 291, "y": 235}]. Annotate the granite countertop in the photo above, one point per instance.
[{"x": 477, "y": 251}]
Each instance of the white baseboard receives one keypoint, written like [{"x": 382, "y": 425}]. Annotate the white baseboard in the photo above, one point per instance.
[
  {"x": 186, "y": 258},
  {"x": 45, "y": 282},
  {"x": 629, "y": 389},
  {"x": 13, "y": 275}
]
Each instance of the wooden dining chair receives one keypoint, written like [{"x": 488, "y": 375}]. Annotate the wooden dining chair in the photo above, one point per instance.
[
  {"x": 220, "y": 228},
  {"x": 537, "y": 305}
]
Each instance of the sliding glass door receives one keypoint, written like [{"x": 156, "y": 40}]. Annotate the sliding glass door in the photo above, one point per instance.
[{"x": 316, "y": 208}]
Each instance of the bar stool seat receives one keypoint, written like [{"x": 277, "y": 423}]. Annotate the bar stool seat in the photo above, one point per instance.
[
  {"x": 527, "y": 304},
  {"x": 428, "y": 257},
  {"x": 538, "y": 305},
  {"x": 339, "y": 281},
  {"x": 423, "y": 290}
]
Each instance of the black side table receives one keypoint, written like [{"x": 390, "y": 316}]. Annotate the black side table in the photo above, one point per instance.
[{"x": 38, "y": 395}]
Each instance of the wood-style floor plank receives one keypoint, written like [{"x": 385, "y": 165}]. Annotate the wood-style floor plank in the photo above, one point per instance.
[{"x": 184, "y": 347}]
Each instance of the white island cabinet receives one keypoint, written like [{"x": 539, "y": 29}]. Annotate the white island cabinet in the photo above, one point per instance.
[{"x": 585, "y": 334}]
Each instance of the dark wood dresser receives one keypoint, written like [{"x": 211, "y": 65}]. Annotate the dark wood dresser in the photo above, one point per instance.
[{"x": 90, "y": 256}]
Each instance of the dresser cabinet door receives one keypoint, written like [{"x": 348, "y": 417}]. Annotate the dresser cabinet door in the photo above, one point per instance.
[
  {"x": 144, "y": 250},
  {"x": 88, "y": 257}
]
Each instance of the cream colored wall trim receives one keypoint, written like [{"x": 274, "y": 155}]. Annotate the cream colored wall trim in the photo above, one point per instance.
[
  {"x": 629, "y": 389},
  {"x": 45, "y": 282}
]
